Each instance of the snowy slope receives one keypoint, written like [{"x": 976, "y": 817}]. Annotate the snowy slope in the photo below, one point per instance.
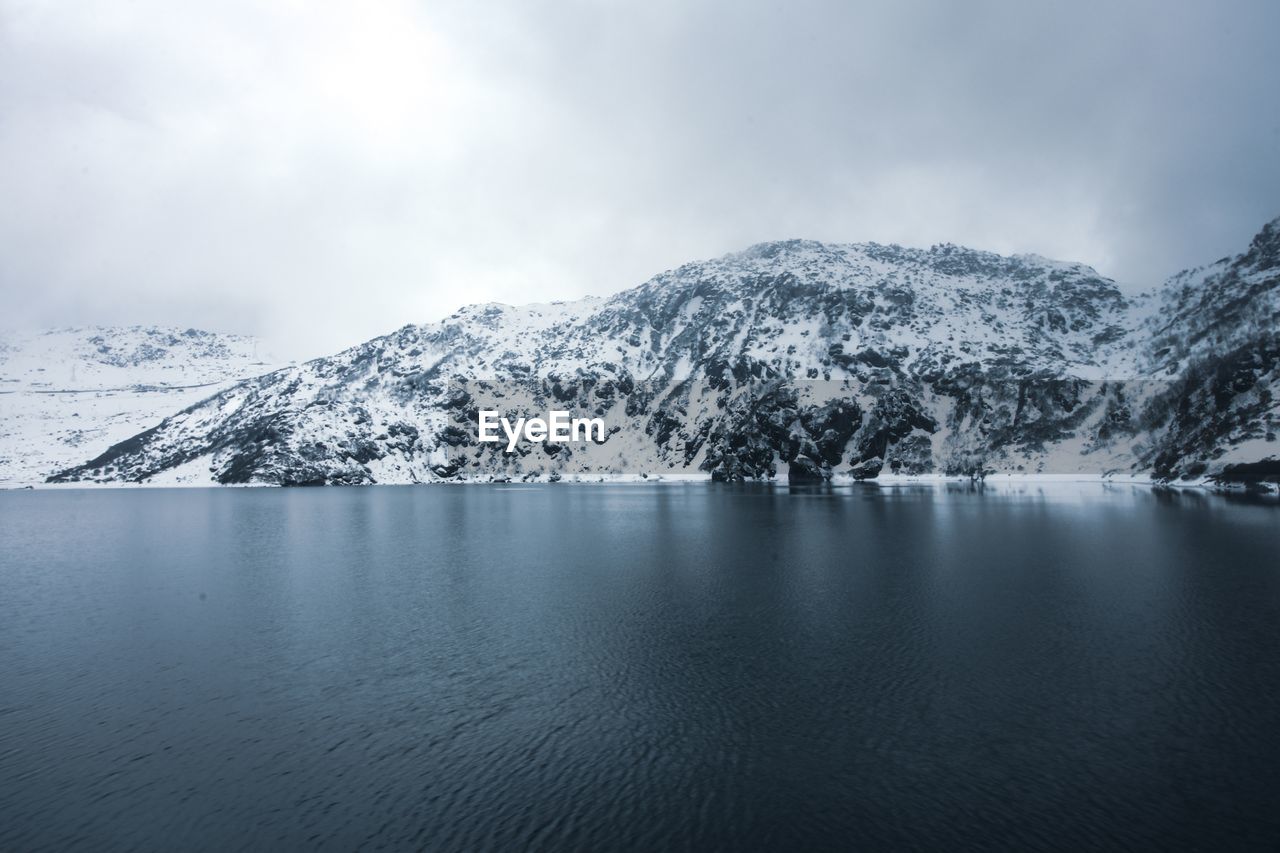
[
  {"x": 67, "y": 394},
  {"x": 794, "y": 359}
]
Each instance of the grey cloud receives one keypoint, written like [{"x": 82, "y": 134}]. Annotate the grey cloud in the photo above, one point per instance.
[{"x": 321, "y": 174}]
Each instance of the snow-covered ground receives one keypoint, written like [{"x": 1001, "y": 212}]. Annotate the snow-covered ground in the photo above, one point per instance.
[{"x": 66, "y": 395}]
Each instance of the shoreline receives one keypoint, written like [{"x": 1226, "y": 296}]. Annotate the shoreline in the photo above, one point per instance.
[{"x": 838, "y": 481}]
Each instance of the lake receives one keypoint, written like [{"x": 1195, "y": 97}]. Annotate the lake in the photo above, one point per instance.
[{"x": 643, "y": 667}]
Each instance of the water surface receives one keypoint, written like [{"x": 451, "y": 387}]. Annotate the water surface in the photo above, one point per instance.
[{"x": 638, "y": 667}]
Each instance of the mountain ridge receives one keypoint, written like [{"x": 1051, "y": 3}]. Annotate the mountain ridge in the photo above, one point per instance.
[{"x": 794, "y": 359}]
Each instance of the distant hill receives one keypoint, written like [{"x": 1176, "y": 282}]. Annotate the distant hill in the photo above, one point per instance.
[{"x": 67, "y": 394}]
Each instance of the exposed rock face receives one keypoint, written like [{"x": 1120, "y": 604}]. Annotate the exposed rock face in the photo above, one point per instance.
[{"x": 792, "y": 359}]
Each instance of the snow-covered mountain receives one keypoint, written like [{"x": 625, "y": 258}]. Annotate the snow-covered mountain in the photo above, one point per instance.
[
  {"x": 68, "y": 394},
  {"x": 793, "y": 359}
]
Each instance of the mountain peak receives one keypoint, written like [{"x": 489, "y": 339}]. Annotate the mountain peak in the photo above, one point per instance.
[
  {"x": 781, "y": 248},
  {"x": 826, "y": 360},
  {"x": 1264, "y": 250}
]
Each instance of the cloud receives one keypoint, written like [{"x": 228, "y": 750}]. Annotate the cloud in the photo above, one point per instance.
[{"x": 323, "y": 172}]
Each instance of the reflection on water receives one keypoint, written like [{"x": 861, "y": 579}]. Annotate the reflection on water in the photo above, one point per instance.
[{"x": 946, "y": 665}]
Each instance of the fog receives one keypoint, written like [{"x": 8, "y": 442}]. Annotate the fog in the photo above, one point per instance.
[{"x": 319, "y": 173}]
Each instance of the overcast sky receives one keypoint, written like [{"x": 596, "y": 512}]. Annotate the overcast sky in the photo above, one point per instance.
[{"x": 322, "y": 172}]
